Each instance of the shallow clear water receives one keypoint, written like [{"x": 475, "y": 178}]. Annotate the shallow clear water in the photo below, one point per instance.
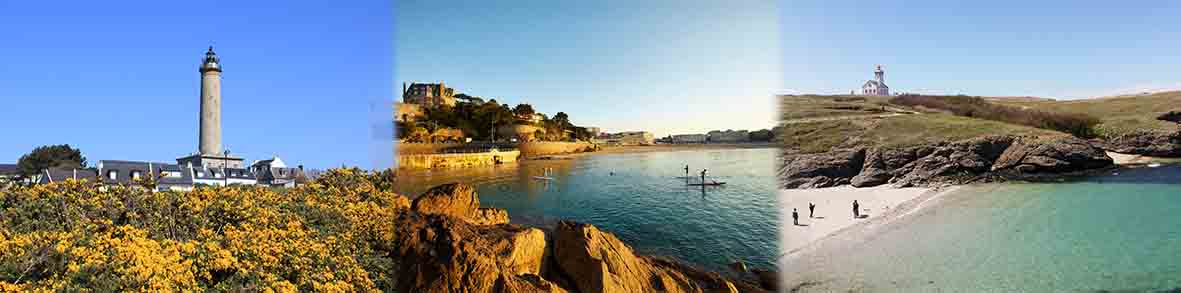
[
  {"x": 1109, "y": 232},
  {"x": 644, "y": 203}
]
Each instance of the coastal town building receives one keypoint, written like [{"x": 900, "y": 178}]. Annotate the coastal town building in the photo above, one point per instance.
[
  {"x": 877, "y": 85},
  {"x": 689, "y": 138},
  {"x": 626, "y": 138},
  {"x": 428, "y": 95},
  {"x": 274, "y": 172},
  {"x": 63, "y": 173},
  {"x": 729, "y": 136},
  {"x": 169, "y": 176},
  {"x": 594, "y": 131}
]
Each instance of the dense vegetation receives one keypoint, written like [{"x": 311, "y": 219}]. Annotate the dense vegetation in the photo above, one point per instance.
[
  {"x": 51, "y": 156},
  {"x": 332, "y": 234},
  {"x": 477, "y": 119},
  {"x": 1079, "y": 125}
]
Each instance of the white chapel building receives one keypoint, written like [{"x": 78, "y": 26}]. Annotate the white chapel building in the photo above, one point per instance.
[{"x": 877, "y": 85}]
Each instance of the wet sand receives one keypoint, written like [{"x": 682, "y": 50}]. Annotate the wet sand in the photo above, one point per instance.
[{"x": 834, "y": 211}]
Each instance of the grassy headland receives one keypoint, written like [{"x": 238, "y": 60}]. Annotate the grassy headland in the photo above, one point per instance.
[
  {"x": 1118, "y": 115},
  {"x": 818, "y": 123}
]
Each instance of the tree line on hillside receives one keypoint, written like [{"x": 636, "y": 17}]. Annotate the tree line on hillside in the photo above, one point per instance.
[
  {"x": 478, "y": 120},
  {"x": 1077, "y": 124}
]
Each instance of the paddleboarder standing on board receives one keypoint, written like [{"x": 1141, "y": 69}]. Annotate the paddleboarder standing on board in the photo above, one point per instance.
[{"x": 703, "y": 176}]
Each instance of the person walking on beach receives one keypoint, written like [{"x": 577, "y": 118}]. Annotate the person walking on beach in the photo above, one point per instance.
[
  {"x": 811, "y": 209},
  {"x": 795, "y": 217},
  {"x": 856, "y": 209}
]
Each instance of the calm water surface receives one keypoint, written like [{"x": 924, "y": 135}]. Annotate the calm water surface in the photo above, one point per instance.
[
  {"x": 1104, "y": 233},
  {"x": 644, "y": 203}
]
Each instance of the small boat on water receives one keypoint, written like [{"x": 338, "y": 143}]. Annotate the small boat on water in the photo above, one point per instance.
[{"x": 1154, "y": 165}]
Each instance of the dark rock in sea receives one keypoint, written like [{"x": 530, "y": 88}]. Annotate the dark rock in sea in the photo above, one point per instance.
[
  {"x": 767, "y": 279},
  {"x": 1147, "y": 143},
  {"x": 738, "y": 266}
]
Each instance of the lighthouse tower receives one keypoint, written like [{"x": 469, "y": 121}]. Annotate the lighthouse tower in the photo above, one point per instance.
[
  {"x": 210, "y": 140},
  {"x": 210, "y": 153}
]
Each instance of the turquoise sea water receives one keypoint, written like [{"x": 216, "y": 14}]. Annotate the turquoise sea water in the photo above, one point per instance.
[
  {"x": 1102, "y": 233},
  {"x": 643, "y": 203}
]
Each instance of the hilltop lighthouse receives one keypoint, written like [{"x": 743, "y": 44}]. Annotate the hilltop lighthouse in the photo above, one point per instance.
[{"x": 877, "y": 85}]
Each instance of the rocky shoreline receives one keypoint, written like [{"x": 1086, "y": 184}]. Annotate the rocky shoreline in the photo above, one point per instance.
[
  {"x": 445, "y": 242},
  {"x": 1147, "y": 143},
  {"x": 989, "y": 158}
]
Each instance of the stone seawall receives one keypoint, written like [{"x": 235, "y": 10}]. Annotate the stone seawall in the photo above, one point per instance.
[
  {"x": 459, "y": 160},
  {"x": 536, "y": 149}
]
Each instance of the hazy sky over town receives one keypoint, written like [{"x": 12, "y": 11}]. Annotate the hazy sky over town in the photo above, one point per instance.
[
  {"x": 1059, "y": 49},
  {"x": 664, "y": 66},
  {"x": 119, "y": 79}
]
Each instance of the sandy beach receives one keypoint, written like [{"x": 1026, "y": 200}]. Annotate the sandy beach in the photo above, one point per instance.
[
  {"x": 1133, "y": 159},
  {"x": 834, "y": 211}
]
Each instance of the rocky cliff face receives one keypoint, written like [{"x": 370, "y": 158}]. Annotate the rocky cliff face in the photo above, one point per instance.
[
  {"x": 960, "y": 161},
  {"x": 1148, "y": 143},
  {"x": 446, "y": 243}
]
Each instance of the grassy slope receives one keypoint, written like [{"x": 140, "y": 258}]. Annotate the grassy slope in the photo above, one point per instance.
[
  {"x": 811, "y": 106},
  {"x": 1119, "y": 114},
  {"x": 905, "y": 130}
]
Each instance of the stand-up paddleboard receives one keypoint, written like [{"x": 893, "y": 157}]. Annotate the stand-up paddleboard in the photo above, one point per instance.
[
  {"x": 708, "y": 184},
  {"x": 545, "y": 176}
]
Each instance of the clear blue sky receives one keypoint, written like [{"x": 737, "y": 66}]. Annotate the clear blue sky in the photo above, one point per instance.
[
  {"x": 1059, "y": 49},
  {"x": 119, "y": 78},
  {"x": 664, "y": 66}
]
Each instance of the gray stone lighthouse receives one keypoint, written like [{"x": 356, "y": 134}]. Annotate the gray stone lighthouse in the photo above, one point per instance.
[
  {"x": 210, "y": 153},
  {"x": 210, "y": 104}
]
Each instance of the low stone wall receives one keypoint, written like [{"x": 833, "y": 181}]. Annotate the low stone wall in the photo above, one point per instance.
[
  {"x": 460, "y": 160},
  {"x": 422, "y": 148},
  {"x": 535, "y": 149}
]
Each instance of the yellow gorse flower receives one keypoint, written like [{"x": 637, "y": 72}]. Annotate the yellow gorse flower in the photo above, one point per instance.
[{"x": 328, "y": 235}]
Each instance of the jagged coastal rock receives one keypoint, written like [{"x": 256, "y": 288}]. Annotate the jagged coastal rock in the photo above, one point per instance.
[
  {"x": 1147, "y": 143},
  {"x": 460, "y": 201},
  {"x": 983, "y": 157},
  {"x": 446, "y": 243}
]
